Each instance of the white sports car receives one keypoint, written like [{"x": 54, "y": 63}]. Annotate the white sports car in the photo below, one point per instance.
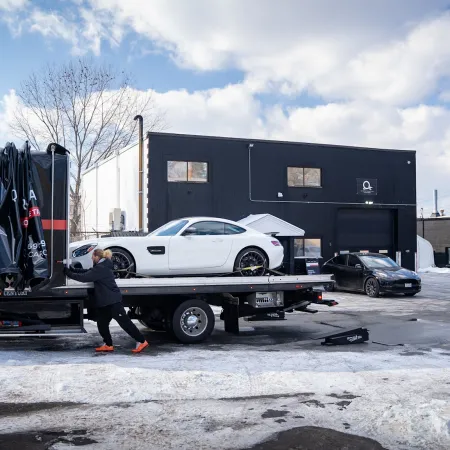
[{"x": 190, "y": 246}]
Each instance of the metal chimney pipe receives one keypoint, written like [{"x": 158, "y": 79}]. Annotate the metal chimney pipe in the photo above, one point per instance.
[
  {"x": 436, "y": 211},
  {"x": 141, "y": 169}
]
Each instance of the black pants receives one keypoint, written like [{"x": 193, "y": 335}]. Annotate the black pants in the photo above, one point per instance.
[{"x": 118, "y": 313}]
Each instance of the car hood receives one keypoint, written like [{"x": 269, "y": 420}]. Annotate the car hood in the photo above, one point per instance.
[{"x": 397, "y": 274}]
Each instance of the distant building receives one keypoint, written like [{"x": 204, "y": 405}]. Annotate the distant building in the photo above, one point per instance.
[{"x": 436, "y": 230}]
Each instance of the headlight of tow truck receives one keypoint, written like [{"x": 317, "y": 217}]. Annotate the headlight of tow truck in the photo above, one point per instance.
[{"x": 84, "y": 250}]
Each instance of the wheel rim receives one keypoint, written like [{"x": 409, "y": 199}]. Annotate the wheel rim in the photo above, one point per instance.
[
  {"x": 371, "y": 287},
  {"x": 253, "y": 260},
  {"x": 193, "y": 321},
  {"x": 120, "y": 262}
]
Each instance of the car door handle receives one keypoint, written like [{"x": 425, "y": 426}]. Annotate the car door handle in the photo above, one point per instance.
[
  {"x": 218, "y": 240},
  {"x": 157, "y": 250}
]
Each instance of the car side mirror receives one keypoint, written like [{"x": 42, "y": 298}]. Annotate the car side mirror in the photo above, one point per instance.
[
  {"x": 190, "y": 231},
  {"x": 358, "y": 266}
]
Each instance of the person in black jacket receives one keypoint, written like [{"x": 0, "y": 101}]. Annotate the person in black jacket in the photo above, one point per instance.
[{"x": 107, "y": 300}]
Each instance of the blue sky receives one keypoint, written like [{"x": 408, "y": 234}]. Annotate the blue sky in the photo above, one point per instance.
[{"x": 349, "y": 72}]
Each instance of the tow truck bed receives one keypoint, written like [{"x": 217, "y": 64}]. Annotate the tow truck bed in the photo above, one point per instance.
[{"x": 204, "y": 285}]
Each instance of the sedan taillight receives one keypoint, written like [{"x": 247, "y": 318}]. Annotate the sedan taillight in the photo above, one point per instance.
[{"x": 276, "y": 243}]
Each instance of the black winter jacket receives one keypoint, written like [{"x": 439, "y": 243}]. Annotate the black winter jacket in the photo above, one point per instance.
[{"x": 106, "y": 291}]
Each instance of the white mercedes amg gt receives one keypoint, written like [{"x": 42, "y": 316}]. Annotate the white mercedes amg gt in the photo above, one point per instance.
[{"x": 189, "y": 246}]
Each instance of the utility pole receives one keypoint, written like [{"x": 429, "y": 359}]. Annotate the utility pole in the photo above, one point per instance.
[{"x": 141, "y": 171}]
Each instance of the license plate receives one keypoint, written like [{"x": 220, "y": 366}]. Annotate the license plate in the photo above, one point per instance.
[{"x": 408, "y": 285}]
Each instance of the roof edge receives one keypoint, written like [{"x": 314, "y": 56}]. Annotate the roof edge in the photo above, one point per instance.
[{"x": 273, "y": 141}]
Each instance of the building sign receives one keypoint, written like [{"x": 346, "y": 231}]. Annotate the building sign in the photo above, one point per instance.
[{"x": 366, "y": 186}]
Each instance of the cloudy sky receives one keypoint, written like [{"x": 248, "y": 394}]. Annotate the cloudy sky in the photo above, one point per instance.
[{"x": 357, "y": 72}]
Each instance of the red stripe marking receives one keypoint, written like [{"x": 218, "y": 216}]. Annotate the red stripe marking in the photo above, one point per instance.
[{"x": 58, "y": 225}]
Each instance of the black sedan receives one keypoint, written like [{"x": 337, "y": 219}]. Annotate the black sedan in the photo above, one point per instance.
[{"x": 373, "y": 274}]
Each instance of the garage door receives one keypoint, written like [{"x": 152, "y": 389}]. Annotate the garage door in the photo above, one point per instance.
[{"x": 371, "y": 230}]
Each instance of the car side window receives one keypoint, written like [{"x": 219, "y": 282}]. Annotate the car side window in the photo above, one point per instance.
[
  {"x": 233, "y": 229},
  {"x": 340, "y": 260},
  {"x": 209, "y": 228},
  {"x": 353, "y": 261}
]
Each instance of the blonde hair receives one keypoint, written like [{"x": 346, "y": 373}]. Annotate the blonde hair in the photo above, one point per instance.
[{"x": 103, "y": 253}]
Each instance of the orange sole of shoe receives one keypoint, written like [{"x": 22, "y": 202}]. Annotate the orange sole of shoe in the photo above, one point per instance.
[{"x": 140, "y": 348}]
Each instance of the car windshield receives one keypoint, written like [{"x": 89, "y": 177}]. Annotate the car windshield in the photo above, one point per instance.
[
  {"x": 170, "y": 229},
  {"x": 378, "y": 262}
]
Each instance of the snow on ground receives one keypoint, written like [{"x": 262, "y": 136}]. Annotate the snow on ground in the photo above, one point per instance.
[
  {"x": 218, "y": 396},
  {"x": 208, "y": 398},
  {"x": 435, "y": 270}
]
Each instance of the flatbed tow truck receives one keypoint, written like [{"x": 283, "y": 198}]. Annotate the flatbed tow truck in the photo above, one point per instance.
[{"x": 49, "y": 303}]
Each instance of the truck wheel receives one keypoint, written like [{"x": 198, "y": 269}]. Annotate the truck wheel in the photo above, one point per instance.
[
  {"x": 154, "y": 319},
  {"x": 193, "y": 321},
  {"x": 372, "y": 288}
]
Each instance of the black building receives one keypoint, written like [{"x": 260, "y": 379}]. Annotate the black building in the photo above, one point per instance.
[{"x": 345, "y": 198}]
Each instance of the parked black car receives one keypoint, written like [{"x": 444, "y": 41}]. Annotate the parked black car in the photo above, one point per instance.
[{"x": 373, "y": 274}]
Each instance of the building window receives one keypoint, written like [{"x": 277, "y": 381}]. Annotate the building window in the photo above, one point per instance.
[
  {"x": 304, "y": 177},
  {"x": 307, "y": 248},
  {"x": 187, "y": 171}
]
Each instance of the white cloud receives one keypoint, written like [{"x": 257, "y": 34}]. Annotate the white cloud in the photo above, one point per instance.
[
  {"x": 10, "y": 11},
  {"x": 97, "y": 27},
  {"x": 12, "y": 5},
  {"x": 445, "y": 96},
  {"x": 53, "y": 25},
  {"x": 390, "y": 52},
  {"x": 400, "y": 72},
  {"x": 7, "y": 105},
  {"x": 231, "y": 111}
]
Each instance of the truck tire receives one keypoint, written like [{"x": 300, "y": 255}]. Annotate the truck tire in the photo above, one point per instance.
[
  {"x": 153, "y": 319},
  {"x": 193, "y": 321}
]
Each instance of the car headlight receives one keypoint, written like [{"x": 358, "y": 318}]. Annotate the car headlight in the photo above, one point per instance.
[
  {"x": 84, "y": 250},
  {"x": 383, "y": 275}
]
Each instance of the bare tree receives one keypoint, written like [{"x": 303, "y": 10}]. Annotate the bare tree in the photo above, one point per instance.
[{"x": 88, "y": 109}]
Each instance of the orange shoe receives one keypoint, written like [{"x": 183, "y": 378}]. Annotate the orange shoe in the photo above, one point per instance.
[
  {"x": 140, "y": 347},
  {"x": 105, "y": 348}
]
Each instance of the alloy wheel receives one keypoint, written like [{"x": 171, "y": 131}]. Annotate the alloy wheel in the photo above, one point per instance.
[{"x": 252, "y": 263}]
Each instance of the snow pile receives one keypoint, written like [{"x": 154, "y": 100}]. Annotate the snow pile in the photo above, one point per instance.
[
  {"x": 435, "y": 270},
  {"x": 425, "y": 254}
]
